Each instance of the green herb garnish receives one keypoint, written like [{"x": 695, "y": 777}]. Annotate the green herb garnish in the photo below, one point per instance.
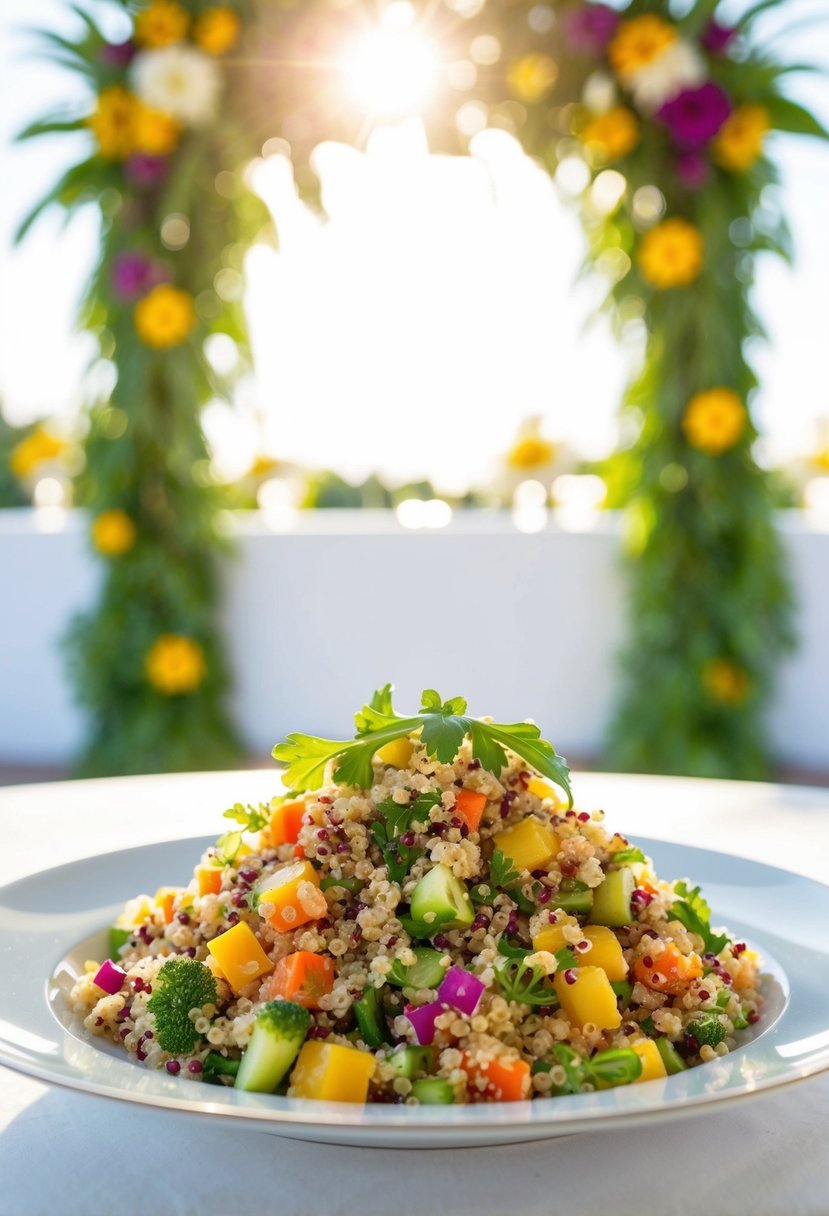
[
  {"x": 443, "y": 725},
  {"x": 526, "y": 982},
  {"x": 625, "y": 856},
  {"x": 616, "y": 1066},
  {"x": 693, "y": 912},
  {"x": 251, "y": 818}
]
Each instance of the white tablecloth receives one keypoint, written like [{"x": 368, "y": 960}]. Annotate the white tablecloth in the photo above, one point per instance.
[{"x": 66, "y": 1154}]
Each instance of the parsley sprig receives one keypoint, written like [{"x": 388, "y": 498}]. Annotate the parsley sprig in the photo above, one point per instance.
[
  {"x": 443, "y": 725},
  {"x": 693, "y": 912},
  {"x": 520, "y": 980},
  {"x": 503, "y": 878},
  {"x": 252, "y": 818},
  {"x": 395, "y": 820}
]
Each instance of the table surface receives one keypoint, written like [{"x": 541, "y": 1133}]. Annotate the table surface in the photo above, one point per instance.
[{"x": 61, "y": 1151}]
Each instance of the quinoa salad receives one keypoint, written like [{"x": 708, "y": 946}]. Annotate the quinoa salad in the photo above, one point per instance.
[{"x": 425, "y": 918}]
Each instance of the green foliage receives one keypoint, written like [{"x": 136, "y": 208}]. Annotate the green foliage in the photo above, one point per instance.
[
  {"x": 443, "y": 727},
  {"x": 182, "y": 984},
  {"x": 708, "y": 582},
  {"x": 693, "y": 912}
]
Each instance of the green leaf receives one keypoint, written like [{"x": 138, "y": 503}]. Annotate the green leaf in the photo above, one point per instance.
[
  {"x": 624, "y": 856},
  {"x": 49, "y": 126},
  {"x": 227, "y": 846},
  {"x": 788, "y": 116},
  {"x": 252, "y": 818},
  {"x": 443, "y": 726},
  {"x": 693, "y": 912},
  {"x": 617, "y": 1066}
]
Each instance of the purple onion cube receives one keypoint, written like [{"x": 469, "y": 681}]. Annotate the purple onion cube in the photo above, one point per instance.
[
  {"x": 461, "y": 990},
  {"x": 422, "y": 1018},
  {"x": 109, "y": 977}
]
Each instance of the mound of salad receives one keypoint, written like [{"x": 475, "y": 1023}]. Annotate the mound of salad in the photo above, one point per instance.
[{"x": 425, "y": 918}]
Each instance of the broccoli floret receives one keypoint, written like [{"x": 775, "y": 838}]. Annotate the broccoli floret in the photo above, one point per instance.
[
  {"x": 285, "y": 1019},
  {"x": 182, "y": 984},
  {"x": 707, "y": 1028}
]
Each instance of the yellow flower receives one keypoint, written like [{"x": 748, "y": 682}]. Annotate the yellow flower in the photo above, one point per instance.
[
  {"x": 670, "y": 255},
  {"x": 217, "y": 30},
  {"x": 714, "y": 420},
  {"x": 34, "y": 450},
  {"x": 638, "y": 42},
  {"x": 165, "y": 317},
  {"x": 725, "y": 681},
  {"x": 162, "y": 24},
  {"x": 113, "y": 122},
  {"x": 740, "y": 139},
  {"x": 175, "y": 664},
  {"x": 155, "y": 132},
  {"x": 530, "y": 452},
  {"x": 113, "y": 532},
  {"x": 531, "y": 76},
  {"x": 262, "y": 466},
  {"x": 613, "y": 134}
]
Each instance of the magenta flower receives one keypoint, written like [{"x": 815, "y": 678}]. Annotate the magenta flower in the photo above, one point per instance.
[
  {"x": 145, "y": 171},
  {"x": 695, "y": 116},
  {"x": 692, "y": 169},
  {"x": 716, "y": 38},
  {"x": 590, "y": 28},
  {"x": 118, "y": 54},
  {"x": 134, "y": 274}
]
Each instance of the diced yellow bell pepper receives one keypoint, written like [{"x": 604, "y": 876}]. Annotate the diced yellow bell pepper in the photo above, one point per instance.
[
  {"x": 398, "y": 753},
  {"x": 136, "y": 912},
  {"x": 331, "y": 1073},
  {"x": 589, "y": 998},
  {"x": 240, "y": 956},
  {"x": 653, "y": 1066},
  {"x": 529, "y": 844},
  {"x": 605, "y": 952},
  {"x": 551, "y": 937},
  {"x": 543, "y": 789},
  {"x": 291, "y": 897}
]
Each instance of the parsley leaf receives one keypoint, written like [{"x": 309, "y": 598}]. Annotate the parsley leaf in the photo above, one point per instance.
[
  {"x": 501, "y": 872},
  {"x": 693, "y": 912},
  {"x": 394, "y": 822},
  {"x": 443, "y": 725},
  {"x": 250, "y": 817},
  {"x": 522, "y": 981}
]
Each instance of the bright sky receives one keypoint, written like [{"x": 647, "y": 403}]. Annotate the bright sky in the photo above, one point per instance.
[{"x": 435, "y": 311}]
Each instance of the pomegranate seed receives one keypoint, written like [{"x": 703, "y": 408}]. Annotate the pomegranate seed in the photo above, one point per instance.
[
  {"x": 441, "y": 941},
  {"x": 122, "y": 1034},
  {"x": 322, "y": 850},
  {"x": 738, "y": 948},
  {"x": 584, "y": 817},
  {"x": 195, "y": 1066},
  {"x": 324, "y": 800},
  {"x": 322, "y": 834},
  {"x": 703, "y": 994},
  {"x": 99, "y": 1021},
  {"x": 249, "y": 875},
  {"x": 474, "y": 765},
  {"x": 408, "y": 838},
  {"x": 543, "y": 896},
  {"x": 183, "y": 918},
  {"x": 190, "y": 951},
  {"x": 647, "y": 960},
  {"x": 239, "y": 899},
  {"x": 753, "y": 1018},
  {"x": 173, "y": 1067},
  {"x": 392, "y": 942},
  {"x": 342, "y": 847},
  {"x": 570, "y": 976}
]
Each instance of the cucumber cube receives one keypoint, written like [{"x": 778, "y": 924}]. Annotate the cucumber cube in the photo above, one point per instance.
[
  {"x": 433, "y": 1091},
  {"x": 441, "y": 900},
  {"x": 611, "y": 900}
]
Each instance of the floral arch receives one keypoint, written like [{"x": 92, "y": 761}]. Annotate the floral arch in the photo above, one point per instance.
[{"x": 662, "y": 115}]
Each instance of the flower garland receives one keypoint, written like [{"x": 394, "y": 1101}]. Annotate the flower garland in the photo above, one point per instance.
[
  {"x": 676, "y": 115},
  {"x": 671, "y": 118}
]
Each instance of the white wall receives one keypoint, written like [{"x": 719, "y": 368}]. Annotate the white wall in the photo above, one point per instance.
[{"x": 523, "y": 625}]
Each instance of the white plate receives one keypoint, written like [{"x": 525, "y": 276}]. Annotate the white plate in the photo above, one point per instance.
[{"x": 51, "y": 922}]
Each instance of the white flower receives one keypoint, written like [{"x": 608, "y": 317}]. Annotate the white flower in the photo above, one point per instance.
[
  {"x": 599, "y": 92},
  {"x": 179, "y": 80},
  {"x": 679, "y": 66}
]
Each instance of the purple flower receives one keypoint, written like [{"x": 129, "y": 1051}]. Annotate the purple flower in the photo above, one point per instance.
[
  {"x": 695, "y": 116},
  {"x": 133, "y": 275},
  {"x": 692, "y": 170},
  {"x": 146, "y": 171},
  {"x": 590, "y": 28},
  {"x": 716, "y": 37},
  {"x": 118, "y": 54}
]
